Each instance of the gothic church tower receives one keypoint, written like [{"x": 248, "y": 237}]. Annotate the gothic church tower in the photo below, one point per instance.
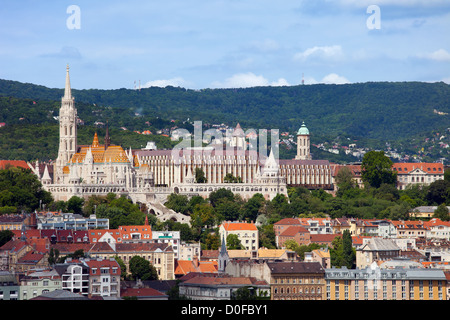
[{"x": 67, "y": 131}]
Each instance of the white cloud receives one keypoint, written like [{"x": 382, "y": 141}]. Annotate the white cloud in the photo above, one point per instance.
[
  {"x": 175, "y": 82},
  {"x": 331, "y": 78},
  {"x": 246, "y": 80},
  {"x": 438, "y": 55},
  {"x": 334, "y": 78},
  {"x": 325, "y": 52}
]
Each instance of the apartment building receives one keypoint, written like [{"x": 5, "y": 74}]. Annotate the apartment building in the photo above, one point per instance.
[
  {"x": 104, "y": 277},
  {"x": 296, "y": 280},
  {"x": 247, "y": 233},
  {"x": 40, "y": 282},
  {"x": 374, "y": 283}
]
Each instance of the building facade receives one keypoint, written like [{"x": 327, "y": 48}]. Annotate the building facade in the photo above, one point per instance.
[
  {"x": 374, "y": 283},
  {"x": 247, "y": 233},
  {"x": 296, "y": 280},
  {"x": 104, "y": 277}
]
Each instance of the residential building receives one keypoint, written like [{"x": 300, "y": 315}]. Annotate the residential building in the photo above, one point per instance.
[
  {"x": 160, "y": 255},
  {"x": 11, "y": 252},
  {"x": 374, "y": 283},
  {"x": 220, "y": 288},
  {"x": 74, "y": 276},
  {"x": 30, "y": 261},
  {"x": 296, "y": 280},
  {"x": 339, "y": 225},
  {"x": 424, "y": 211},
  {"x": 375, "y": 249},
  {"x": 324, "y": 239},
  {"x": 280, "y": 226},
  {"x": 437, "y": 229},
  {"x": 417, "y": 173},
  {"x": 104, "y": 277},
  {"x": 189, "y": 250},
  {"x": 385, "y": 229},
  {"x": 171, "y": 238},
  {"x": 246, "y": 232},
  {"x": 296, "y": 233},
  {"x": 319, "y": 255},
  {"x": 65, "y": 221},
  {"x": 12, "y": 222},
  {"x": 9, "y": 286},
  {"x": 409, "y": 229},
  {"x": 184, "y": 267},
  {"x": 35, "y": 283}
]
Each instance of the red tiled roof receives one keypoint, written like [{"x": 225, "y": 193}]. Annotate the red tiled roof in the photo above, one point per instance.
[
  {"x": 288, "y": 221},
  {"x": 140, "y": 292},
  {"x": 323, "y": 237},
  {"x": 293, "y": 230}
]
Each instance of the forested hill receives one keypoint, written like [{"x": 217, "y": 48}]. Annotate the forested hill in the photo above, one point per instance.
[{"x": 375, "y": 110}]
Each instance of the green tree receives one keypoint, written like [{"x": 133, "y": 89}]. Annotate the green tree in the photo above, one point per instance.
[
  {"x": 220, "y": 194},
  {"x": 5, "y": 236},
  {"x": 344, "y": 180},
  {"x": 227, "y": 210},
  {"x": 342, "y": 253},
  {"x": 233, "y": 242},
  {"x": 53, "y": 256},
  {"x": 178, "y": 203},
  {"x": 211, "y": 241},
  {"x": 438, "y": 192},
  {"x": 123, "y": 267},
  {"x": 200, "y": 176},
  {"x": 267, "y": 236},
  {"x": 142, "y": 269},
  {"x": 75, "y": 205},
  {"x": 442, "y": 212},
  {"x": 377, "y": 169}
]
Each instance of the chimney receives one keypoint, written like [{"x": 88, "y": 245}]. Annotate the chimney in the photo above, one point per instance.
[{"x": 195, "y": 261}]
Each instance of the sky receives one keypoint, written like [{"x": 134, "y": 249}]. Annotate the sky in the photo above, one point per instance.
[{"x": 223, "y": 43}]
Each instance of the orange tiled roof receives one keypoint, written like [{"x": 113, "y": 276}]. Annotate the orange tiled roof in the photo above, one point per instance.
[
  {"x": 235, "y": 226},
  {"x": 436, "y": 222},
  {"x": 13, "y": 163},
  {"x": 409, "y": 224},
  {"x": 98, "y": 233},
  {"x": 99, "y": 154},
  {"x": 127, "y": 231},
  {"x": 184, "y": 267},
  {"x": 431, "y": 168}
]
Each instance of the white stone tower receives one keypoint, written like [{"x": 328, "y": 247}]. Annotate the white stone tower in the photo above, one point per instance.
[
  {"x": 303, "y": 147},
  {"x": 67, "y": 131}
]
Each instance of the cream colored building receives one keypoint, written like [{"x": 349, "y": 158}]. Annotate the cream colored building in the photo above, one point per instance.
[
  {"x": 247, "y": 233},
  {"x": 374, "y": 283}
]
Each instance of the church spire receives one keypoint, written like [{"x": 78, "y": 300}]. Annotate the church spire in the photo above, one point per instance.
[
  {"x": 95, "y": 141},
  {"x": 67, "y": 90},
  {"x": 107, "y": 138}
]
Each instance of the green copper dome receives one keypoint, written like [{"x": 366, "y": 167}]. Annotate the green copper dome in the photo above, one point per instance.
[{"x": 303, "y": 129}]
